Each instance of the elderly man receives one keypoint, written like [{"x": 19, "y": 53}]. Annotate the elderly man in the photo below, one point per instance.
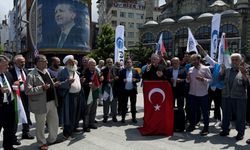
[
  {"x": 19, "y": 74},
  {"x": 199, "y": 77},
  {"x": 234, "y": 95},
  {"x": 71, "y": 91},
  {"x": 177, "y": 77},
  {"x": 91, "y": 89},
  {"x": 7, "y": 105},
  {"x": 154, "y": 71},
  {"x": 40, "y": 89}
]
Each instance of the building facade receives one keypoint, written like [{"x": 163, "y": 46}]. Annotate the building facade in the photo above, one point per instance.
[
  {"x": 129, "y": 13},
  {"x": 177, "y": 16},
  {"x": 4, "y": 35}
]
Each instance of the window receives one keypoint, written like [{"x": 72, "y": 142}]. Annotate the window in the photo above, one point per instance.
[
  {"x": 139, "y": 16},
  {"x": 114, "y": 13},
  {"x": 148, "y": 38},
  {"x": 203, "y": 33},
  {"x": 230, "y": 30},
  {"x": 114, "y": 23},
  {"x": 131, "y": 35},
  {"x": 181, "y": 41},
  {"x": 123, "y": 14},
  {"x": 123, "y": 23},
  {"x": 130, "y": 15},
  {"x": 131, "y": 25},
  {"x": 139, "y": 25}
]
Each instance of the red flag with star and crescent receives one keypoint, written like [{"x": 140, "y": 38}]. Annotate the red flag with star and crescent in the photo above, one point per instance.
[{"x": 158, "y": 109}]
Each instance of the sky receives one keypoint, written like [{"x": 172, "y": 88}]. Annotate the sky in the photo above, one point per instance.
[{"x": 6, "y": 5}]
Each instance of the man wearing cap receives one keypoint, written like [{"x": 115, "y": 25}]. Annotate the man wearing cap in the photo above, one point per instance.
[{"x": 72, "y": 94}]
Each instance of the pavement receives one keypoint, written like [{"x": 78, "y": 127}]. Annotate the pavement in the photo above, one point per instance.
[{"x": 118, "y": 136}]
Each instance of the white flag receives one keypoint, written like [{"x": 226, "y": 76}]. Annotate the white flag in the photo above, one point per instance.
[
  {"x": 90, "y": 97},
  {"x": 191, "y": 43},
  {"x": 224, "y": 54},
  {"x": 215, "y": 30},
  {"x": 119, "y": 44},
  {"x": 221, "y": 49}
]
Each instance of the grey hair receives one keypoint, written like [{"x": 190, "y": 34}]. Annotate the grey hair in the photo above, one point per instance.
[
  {"x": 155, "y": 55},
  {"x": 236, "y": 55},
  {"x": 4, "y": 58},
  {"x": 91, "y": 60},
  {"x": 17, "y": 57}
]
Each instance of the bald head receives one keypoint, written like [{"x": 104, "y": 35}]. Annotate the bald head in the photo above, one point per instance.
[{"x": 19, "y": 61}]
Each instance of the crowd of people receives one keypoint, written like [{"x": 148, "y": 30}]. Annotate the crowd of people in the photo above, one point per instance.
[{"x": 62, "y": 96}]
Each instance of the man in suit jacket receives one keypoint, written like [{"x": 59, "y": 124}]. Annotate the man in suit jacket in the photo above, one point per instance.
[
  {"x": 129, "y": 77},
  {"x": 40, "y": 89},
  {"x": 19, "y": 74},
  {"x": 176, "y": 75},
  {"x": 7, "y": 105},
  {"x": 70, "y": 35}
]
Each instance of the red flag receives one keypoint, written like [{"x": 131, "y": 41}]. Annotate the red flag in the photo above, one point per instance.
[
  {"x": 163, "y": 49},
  {"x": 158, "y": 108},
  {"x": 96, "y": 80}
]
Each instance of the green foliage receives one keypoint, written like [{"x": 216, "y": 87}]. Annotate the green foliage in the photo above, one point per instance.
[
  {"x": 105, "y": 43},
  {"x": 140, "y": 53}
]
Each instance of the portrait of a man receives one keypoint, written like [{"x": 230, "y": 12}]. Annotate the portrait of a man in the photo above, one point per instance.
[{"x": 66, "y": 25}]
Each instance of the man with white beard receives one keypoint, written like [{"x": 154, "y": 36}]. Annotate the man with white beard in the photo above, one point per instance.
[{"x": 71, "y": 91}]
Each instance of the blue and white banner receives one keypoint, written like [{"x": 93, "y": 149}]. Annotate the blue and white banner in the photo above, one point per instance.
[
  {"x": 119, "y": 44},
  {"x": 215, "y": 30},
  {"x": 191, "y": 43}
]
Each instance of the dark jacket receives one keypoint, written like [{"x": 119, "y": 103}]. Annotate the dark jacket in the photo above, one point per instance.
[
  {"x": 239, "y": 86},
  {"x": 151, "y": 74},
  {"x": 76, "y": 39},
  {"x": 11, "y": 81},
  {"x": 14, "y": 75},
  {"x": 182, "y": 74},
  {"x": 123, "y": 76}
]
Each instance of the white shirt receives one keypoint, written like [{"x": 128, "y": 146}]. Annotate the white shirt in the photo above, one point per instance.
[
  {"x": 5, "y": 98},
  {"x": 129, "y": 78},
  {"x": 175, "y": 76},
  {"x": 76, "y": 85},
  {"x": 19, "y": 77}
]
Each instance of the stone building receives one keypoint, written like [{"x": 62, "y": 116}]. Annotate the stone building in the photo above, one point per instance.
[
  {"x": 177, "y": 15},
  {"x": 130, "y": 13}
]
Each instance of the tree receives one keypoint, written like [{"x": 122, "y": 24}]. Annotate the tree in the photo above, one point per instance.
[
  {"x": 105, "y": 43},
  {"x": 140, "y": 53}
]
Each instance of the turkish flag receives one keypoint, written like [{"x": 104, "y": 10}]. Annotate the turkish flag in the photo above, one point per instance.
[{"x": 158, "y": 108}]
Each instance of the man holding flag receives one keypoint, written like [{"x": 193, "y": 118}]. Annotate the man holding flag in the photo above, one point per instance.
[
  {"x": 19, "y": 74},
  {"x": 158, "y": 101},
  {"x": 91, "y": 87},
  {"x": 7, "y": 105}
]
